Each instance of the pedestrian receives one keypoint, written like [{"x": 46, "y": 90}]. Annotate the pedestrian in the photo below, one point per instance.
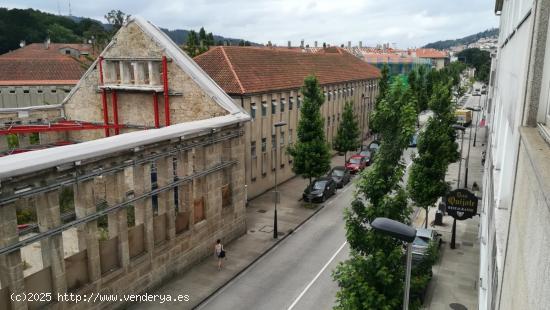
[{"x": 219, "y": 252}]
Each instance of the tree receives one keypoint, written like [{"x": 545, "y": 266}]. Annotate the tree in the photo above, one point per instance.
[
  {"x": 210, "y": 40},
  {"x": 60, "y": 34},
  {"x": 383, "y": 83},
  {"x": 192, "y": 44},
  {"x": 310, "y": 153},
  {"x": 116, "y": 18},
  {"x": 347, "y": 137},
  {"x": 373, "y": 276},
  {"x": 480, "y": 60},
  {"x": 436, "y": 150}
]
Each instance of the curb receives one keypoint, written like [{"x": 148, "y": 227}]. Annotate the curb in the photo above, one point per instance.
[{"x": 259, "y": 257}]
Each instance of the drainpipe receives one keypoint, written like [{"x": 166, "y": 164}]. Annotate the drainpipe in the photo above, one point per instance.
[
  {"x": 166, "y": 98},
  {"x": 103, "y": 98}
]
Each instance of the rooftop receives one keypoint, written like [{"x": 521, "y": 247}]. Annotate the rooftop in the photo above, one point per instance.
[
  {"x": 34, "y": 64},
  {"x": 247, "y": 70},
  {"x": 430, "y": 53}
]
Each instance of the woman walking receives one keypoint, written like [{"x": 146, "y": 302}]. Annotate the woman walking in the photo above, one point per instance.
[{"x": 219, "y": 252}]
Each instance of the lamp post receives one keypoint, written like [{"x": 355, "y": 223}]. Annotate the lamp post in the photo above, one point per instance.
[
  {"x": 404, "y": 233},
  {"x": 276, "y": 198},
  {"x": 461, "y": 128},
  {"x": 476, "y": 109},
  {"x": 477, "y": 122}
]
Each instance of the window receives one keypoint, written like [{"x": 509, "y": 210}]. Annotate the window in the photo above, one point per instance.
[
  {"x": 282, "y": 138},
  {"x": 67, "y": 52},
  {"x": 328, "y": 121},
  {"x": 352, "y": 90},
  {"x": 264, "y": 108},
  {"x": 333, "y": 120},
  {"x": 253, "y": 110},
  {"x": 253, "y": 149},
  {"x": 264, "y": 145},
  {"x": 199, "y": 209},
  {"x": 325, "y": 95},
  {"x": 338, "y": 117},
  {"x": 289, "y": 136},
  {"x": 299, "y": 105},
  {"x": 282, "y": 105},
  {"x": 329, "y": 95},
  {"x": 290, "y": 103},
  {"x": 273, "y": 141},
  {"x": 273, "y": 106}
]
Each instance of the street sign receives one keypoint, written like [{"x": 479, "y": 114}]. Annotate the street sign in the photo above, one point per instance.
[{"x": 461, "y": 204}]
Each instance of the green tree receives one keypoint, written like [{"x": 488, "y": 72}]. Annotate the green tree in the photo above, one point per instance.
[
  {"x": 310, "y": 153},
  {"x": 480, "y": 60},
  {"x": 347, "y": 137},
  {"x": 210, "y": 40},
  {"x": 383, "y": 83},
  {"x": 373, "y": 276},
  {"x": 192, "y": 44},
  {"x": 116, "y": 18},
  {"x": 436, "y": 150},
  {"x": 60, "y": 34}
]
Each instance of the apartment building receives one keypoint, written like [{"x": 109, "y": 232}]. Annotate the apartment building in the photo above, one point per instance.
[
  {"x": 514, "y": 231},
  {"x": 266, "y": 82}
]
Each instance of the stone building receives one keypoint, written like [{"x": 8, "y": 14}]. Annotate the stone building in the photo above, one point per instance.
[
  {"x": 143, "y": 204},
  {"x": 514, "y": 233},
  {"x": 439, "y": 59},
  {"x": 41, "y": 73},
  {"x": 266, "y": 82}
]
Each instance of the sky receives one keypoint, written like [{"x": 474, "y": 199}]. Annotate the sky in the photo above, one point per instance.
[{"x": 402, "y": 23}]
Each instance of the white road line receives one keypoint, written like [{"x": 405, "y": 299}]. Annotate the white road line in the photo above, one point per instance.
[{"x": 316, "y": 277}]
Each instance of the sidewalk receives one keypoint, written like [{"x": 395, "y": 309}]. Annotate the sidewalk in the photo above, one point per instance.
[
  {"x": 455, "y": 276},
  {"x": 204, "y": 279}
]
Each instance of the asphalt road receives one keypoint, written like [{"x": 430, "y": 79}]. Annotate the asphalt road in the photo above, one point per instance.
[{"x": 297, "y": 273}]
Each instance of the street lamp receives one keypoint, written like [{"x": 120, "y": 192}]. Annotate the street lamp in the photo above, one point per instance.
[
  {"x": 404, "y": 233},
  {"x": 275, "y": 232},
  {"x": 476, "y": 109},
  {"x": 461, "y": 128}
]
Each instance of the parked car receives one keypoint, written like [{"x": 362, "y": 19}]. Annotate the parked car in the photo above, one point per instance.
[
  {"x": 367, "y": 155},
  {"x": 320, "y": 190},
  {"x": 374, "y": 146},
  {"x": 414, "y": 139},
  {"x": 340, "y": 175},
  {"x": 356, "y": 163},
  {"x": 424, "y": 236}
]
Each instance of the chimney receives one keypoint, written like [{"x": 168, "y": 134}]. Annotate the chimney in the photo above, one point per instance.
[
  {"x": 289, "y": 44},
  {"x": 302, "y": 44},
  {"x": 47, "y": 43},
  {"x": 349, "y": 44},
  {"x": 360, "y": 44},
  {"x": 22, "y": 43},
  {"x": 315, "y": 44}
]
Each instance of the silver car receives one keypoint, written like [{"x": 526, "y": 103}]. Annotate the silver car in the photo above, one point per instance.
[{"x": 424, "y": 236}]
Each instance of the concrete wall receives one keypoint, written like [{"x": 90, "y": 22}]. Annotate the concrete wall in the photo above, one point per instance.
[
  {"x": 260, "y": 169},
  {"x": 187, "y": 101},
  {"x": 25, "y": 96}
]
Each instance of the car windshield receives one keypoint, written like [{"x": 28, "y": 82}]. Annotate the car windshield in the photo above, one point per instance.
[
  {"x": 365, "y": 153},
  {"x": 421, "y": 241},
  {"x": 338, "y": 173},
  {"x": 355, "y": 160},
  {"x": 319, "y": 185}
]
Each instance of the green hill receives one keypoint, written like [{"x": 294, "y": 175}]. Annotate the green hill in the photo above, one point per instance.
[{"x": 441, "y": 45}]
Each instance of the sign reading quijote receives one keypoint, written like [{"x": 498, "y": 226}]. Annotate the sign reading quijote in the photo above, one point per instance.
[{"x": 461, "y": 204}]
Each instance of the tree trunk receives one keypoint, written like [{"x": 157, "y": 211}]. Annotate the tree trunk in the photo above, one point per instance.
[
  {"x": 345, "y": 158},
  {"x": 426, "y": 222}
]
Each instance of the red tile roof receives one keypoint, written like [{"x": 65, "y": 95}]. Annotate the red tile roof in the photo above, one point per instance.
[
  {"x": 36, "y": 65},
  {"x": 430, "y": 53},
  {"x": 246, "y": 70}
]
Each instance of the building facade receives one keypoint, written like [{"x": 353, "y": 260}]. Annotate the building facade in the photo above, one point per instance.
[
  {"x": 146, "y": 204},
  {"x": 266, "y": 82},
  {"x": 41, "y": 73},
  {"x": 514, "y": 230}
]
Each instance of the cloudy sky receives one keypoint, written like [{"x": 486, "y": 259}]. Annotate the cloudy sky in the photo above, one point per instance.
[{"x": 407, "y": 23}]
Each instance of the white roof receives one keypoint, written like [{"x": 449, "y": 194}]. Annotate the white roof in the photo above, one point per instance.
[{"x": 29, "y": 162}]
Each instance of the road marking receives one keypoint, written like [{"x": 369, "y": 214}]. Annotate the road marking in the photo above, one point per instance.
[{"x": 316, "y": 277}]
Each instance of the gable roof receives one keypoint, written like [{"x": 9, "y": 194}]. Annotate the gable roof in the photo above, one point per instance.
[
  {"x": 246, "y": 70},
  {"x": 34, "y": 64},
  {"x": 184, "y": 62}
]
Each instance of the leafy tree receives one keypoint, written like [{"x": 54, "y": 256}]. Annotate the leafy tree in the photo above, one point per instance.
[
  {"x": 210, "y": 39},
  {"x": 347, "y": 137},
  {"x": 480, "y": 60},
  {"x": 310, "y": 153},
  {"x": 383, "y": 83},
  {"x": 436, "y": 150},
  {"x": 60, "y": 34},
  {"x": 373, "y": 276},
  {"x": 116, "y": 18},
  {"x": 192, "y": 44}
]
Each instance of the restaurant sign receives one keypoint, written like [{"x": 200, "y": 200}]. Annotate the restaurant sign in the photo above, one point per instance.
[{"x": 461, "y": 204}]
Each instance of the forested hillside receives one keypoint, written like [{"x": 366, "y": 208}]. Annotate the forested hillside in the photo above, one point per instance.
[{"x": 441, "y": 45}]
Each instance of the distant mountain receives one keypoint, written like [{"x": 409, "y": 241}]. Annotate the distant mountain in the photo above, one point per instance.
[{"x": 441, "y": 45}]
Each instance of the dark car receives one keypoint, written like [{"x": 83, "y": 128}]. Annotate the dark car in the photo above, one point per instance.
[
  {"x": 367, "y": 155},
  {"x": 340, "y": 175},
  {"x": 356, "y": 163},
  {"x": 414, "y": 139},
  {"x": 320, "y": 189}
]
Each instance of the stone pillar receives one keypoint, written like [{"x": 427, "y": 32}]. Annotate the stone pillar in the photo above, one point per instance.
[
  {"x": 11, "y": 265},
  {"x": 143, "y": 208},
  {"x": 4, "y": 143},
  {"x": 213, "y": 199},
  {"x": 238, "y": 176},
  {"x": 24, "y": 140},
  {"x": 84, "y": 200},
  {"x": 165, "y": 176},
  {"x": 117, "y": 220},
  {"x": 48, "y": 215}
]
